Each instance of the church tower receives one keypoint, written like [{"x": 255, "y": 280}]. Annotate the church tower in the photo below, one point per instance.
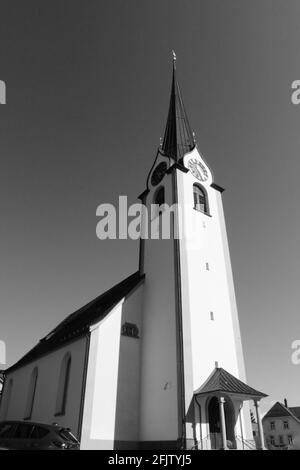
[{"x": 191, "y": 336}]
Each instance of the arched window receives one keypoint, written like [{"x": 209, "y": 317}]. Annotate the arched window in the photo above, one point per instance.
[
  {"x": 6, "y": 397},
  {"x": 200, "y": 199},
  {"x": 63, "y": 385},
  {"x": 31, "y": 393},
  {"x": 159, "y": 197},
  {"x": 159, "y": 200}
]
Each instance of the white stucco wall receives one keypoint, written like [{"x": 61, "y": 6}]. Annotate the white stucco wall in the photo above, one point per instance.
[
  {"x": 98, "y": 426},
  {"x": 205, "y": 342},
  {"x": 111, "y": 407},
  {"x": 209, "y": 290},
  {"x": 46, "y": 389},
  {"x": 128, "y": 395},
  {"x": 159, "y": 381}
]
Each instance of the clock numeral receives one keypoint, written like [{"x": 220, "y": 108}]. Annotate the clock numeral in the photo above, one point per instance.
[{"x": 198, "y": 170}]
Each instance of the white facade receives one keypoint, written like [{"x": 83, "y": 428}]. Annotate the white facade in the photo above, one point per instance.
[
  {"x": 208, "y": 297},
  {"x": 281, "y": 427},
  {"x": 15, "y": 393},
  {"x": 112, "y": 398}
]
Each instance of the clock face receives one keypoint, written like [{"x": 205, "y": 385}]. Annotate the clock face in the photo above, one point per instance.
[
  {"x": 197, "y": 169},
  {"x": 158, "y": 173}
]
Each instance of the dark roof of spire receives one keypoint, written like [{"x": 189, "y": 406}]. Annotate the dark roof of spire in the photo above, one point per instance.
[
  {"x": 221, "y": 381},
  {"x": 178, "y": 138},
  {"x": 77, "y": 324}
]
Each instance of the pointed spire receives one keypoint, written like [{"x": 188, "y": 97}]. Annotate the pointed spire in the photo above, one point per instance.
[{"x": 179, "y": 138}]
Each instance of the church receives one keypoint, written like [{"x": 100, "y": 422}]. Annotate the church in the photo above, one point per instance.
[{"x": 156, "y": 362}]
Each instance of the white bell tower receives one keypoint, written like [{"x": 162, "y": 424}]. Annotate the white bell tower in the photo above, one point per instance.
[{"x": 190, "y": 320}]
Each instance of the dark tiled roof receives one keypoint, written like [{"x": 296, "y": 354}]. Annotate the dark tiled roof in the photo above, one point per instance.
[
  {"x": 77, "y": 324},
  {"x": 277, "y": 411},
  {"x": 280, "y": 411},
  {"x": 295, "y": 410},
  {"x": 221, "y": 381},
  {"x": 178, "y": 137}
]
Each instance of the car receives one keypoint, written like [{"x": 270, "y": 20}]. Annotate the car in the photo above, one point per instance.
[{"x": 22, "y": 435}]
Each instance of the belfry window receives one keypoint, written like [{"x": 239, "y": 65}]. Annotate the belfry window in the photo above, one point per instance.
[
  {"x": 31, "y": 393},
  {"x": 63, "y": 385},
  {"x": 159, "y": 200},
  {"x": 200, "y": 199},
  {"x": 159, "y": 197}
]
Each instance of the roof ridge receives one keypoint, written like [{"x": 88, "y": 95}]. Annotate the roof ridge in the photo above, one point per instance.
[
  {"x": 222, "y": 381},
  {"x": 281, "y": 405}
]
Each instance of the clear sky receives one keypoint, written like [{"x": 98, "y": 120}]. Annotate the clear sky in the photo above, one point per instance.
[{"x": 87, "y": 95}]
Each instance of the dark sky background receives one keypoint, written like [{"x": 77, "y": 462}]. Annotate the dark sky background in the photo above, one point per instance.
[{"x": 87, "y": 95}]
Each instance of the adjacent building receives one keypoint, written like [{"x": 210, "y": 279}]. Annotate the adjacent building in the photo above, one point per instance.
[{"x": 281, "y": 426}]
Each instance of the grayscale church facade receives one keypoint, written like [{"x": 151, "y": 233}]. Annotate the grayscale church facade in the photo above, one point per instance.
[{"x": 156, "y": 362}]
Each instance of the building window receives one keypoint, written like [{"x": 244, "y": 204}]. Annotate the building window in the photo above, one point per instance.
[
  {"x": 212, "y": 317},
  {"x": 63, "y": 385},
  {"x": 285, "y": 425},
  {"x": 200, "y": 199},
  {"x": 272, "y": 440},
  {"x": 31, "y": 393},
  {"x": 207, "y": 266},
  {"x": 290, "y": 439},
  {"x": 281, "y": 441},
  {"x": 159, "y": 200},
  {"x": 272, "y": 425},
  {"x": 159, "y": 197}
]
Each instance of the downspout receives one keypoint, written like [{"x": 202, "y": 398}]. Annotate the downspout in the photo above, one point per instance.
[
  {"x": 180, "y": 360},
  {"x": 3, "y": 385},
  {"x": 144, "y": 231}
]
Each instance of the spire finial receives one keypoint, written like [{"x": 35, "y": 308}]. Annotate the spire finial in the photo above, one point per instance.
[{"x": 174, "y": 58}]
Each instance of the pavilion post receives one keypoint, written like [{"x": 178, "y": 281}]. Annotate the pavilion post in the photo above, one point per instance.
[
  {"x": 223, "y": 423},
  {"x": 260, "y": 427}
]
